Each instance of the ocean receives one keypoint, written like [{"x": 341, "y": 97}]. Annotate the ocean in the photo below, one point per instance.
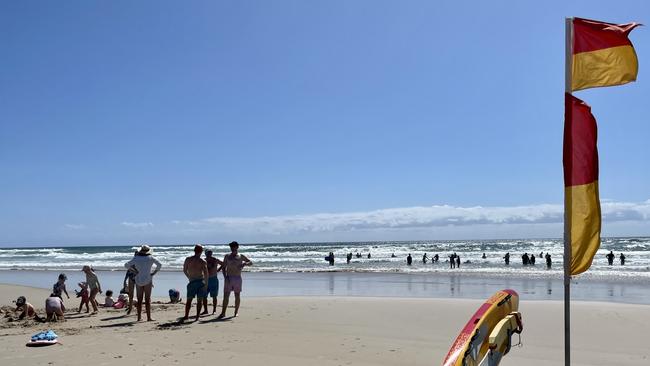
[{"x": 309, "y": 257}]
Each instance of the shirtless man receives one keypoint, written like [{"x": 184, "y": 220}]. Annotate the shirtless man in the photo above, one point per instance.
[
  {"x": 232, "y": 265},
  {"x": 214, "y": 266},
  {"x": 196, "y": 271}
]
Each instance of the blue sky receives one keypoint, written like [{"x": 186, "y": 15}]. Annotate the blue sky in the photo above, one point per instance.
[{"x": 266, "y": 121}]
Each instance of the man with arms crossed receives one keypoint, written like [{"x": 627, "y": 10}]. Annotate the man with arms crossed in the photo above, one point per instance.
[
  {"x": 214, "y": 266},
  {"x": 232, "y": 265},
  {"x": 196, "y": 270}
]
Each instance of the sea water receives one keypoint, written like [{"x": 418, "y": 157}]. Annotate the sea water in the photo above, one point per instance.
[{"x": 309, "y": 257}]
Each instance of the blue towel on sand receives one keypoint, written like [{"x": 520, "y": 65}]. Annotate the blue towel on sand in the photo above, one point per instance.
[{"x": 44, "y": 336}]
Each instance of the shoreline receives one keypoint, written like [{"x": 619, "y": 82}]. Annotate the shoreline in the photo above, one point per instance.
[
  {"x": 329, "y": 331},
  {"x": 369, "y": 284}
]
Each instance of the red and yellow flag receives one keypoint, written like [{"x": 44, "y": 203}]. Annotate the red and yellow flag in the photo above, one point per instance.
[
  {"x": 602, "y": 54},
  {"x": 582, "y": 203}
]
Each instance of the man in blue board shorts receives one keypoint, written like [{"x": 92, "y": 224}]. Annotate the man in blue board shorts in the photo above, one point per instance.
[
  {"x": 196, "y": 270},
  {"x": 214, "y": 266}
]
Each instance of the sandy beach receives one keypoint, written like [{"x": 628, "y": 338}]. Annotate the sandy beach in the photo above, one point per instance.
[{"x": 322, "y": 331}]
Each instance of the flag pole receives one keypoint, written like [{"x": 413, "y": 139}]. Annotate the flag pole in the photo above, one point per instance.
[{"x": 568, "y": 22}]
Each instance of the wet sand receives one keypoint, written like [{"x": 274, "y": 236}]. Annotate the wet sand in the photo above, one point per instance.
[{"x": 344, "y": 284}]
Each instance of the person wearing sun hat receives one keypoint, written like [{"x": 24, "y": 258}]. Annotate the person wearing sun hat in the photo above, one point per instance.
[{"x": 143, "y": 262}]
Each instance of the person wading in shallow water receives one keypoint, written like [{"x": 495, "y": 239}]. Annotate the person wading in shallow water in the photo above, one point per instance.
[{"x": 233, "y": 264}]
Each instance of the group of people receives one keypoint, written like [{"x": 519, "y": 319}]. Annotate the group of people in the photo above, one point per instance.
[
  {"x": 610, "y": 258},
  {"x": 425, "y": 258},
  {"x": 348, "y": 257},
  {"x": 527, "y": 260},
  {"x": 201, "y": 275},
  {"x": 202, "y": 281},
  {"x": 54, "y": 305}
]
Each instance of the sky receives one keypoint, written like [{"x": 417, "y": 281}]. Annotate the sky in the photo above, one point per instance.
[{"x": 284, "y": 121}]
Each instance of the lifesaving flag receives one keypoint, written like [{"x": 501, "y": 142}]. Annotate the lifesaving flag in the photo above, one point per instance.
[
  {"x": 602, "y": 54},
  {"x": 582, "y": 203}
]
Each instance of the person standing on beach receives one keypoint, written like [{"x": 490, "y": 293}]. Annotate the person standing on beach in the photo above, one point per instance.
[
  {"x": 214, "y": 266},
  {"x": 128, "y": 286},
  {"x": 59, "y": 287},
  {"x": 457, "y": 260},
  {"x": 233, "y": 264},
  {"x": 507, "y": 259},
  {"x": 93, "y": 286},
  {"x": 610, "y": 258},
  {"x": 548, "y": 261},
  {"x": 196, "y": 271},
  {"x": 144, "y": 278},
  {"x": 409, "y": 259},
  {"x": 424, "y": 258},
  {"x": 532, "y": 259},
  {"x": 622, "y": 258},
  {"x": 524, "y": 259}
]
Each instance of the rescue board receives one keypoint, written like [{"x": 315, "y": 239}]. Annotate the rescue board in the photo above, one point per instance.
[
  {"x": 41, "y": 343},
  {"x": 501, "y": 338},
  {"x": 472, "y": 344}
]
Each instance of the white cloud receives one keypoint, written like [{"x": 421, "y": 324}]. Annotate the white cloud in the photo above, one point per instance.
[
  {"x": 411, "y": 218},
  {"x": 137, "y": 225},
  {"x": 75, "y": 226}
]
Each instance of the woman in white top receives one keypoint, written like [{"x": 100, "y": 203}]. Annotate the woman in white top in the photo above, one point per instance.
[{"x": 143, "y": 262}]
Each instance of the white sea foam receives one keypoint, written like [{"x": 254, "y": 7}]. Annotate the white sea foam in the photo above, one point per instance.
[{"x": 309, "y": 257}]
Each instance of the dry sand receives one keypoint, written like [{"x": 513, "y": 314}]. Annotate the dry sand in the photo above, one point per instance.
[{"x": 322, "y": 331}]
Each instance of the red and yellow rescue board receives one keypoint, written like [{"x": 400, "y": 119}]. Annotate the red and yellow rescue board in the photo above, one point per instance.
[{"x": 472, "y": 344}]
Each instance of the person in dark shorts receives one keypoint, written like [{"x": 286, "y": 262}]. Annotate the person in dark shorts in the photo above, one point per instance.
[
  {"x": 214, "y": 266},
  {"x": 196, "y": 270}
]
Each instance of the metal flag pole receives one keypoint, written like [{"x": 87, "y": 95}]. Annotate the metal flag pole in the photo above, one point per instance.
[{"x": 568, "y": 22}]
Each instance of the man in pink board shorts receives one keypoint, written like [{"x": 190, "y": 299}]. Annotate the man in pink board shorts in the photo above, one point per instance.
[{"x": 233, "y": 264}]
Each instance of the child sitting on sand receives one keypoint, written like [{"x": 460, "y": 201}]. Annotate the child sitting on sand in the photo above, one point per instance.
[
  {"x": 174, "y": 296},
  {"x": 27, "y": 309},
  {"x": 121, "y": 302},
  {"x": 108, "y": 300},
  {"x": 84, "y": 295}
]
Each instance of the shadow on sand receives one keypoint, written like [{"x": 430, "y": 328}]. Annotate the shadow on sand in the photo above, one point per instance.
[
  {"x": 217, "y": 320},
  {"x": 175, "y": 323},
  {"x": 114, "y": 317},
  {"x": 124, "y": 324}
]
